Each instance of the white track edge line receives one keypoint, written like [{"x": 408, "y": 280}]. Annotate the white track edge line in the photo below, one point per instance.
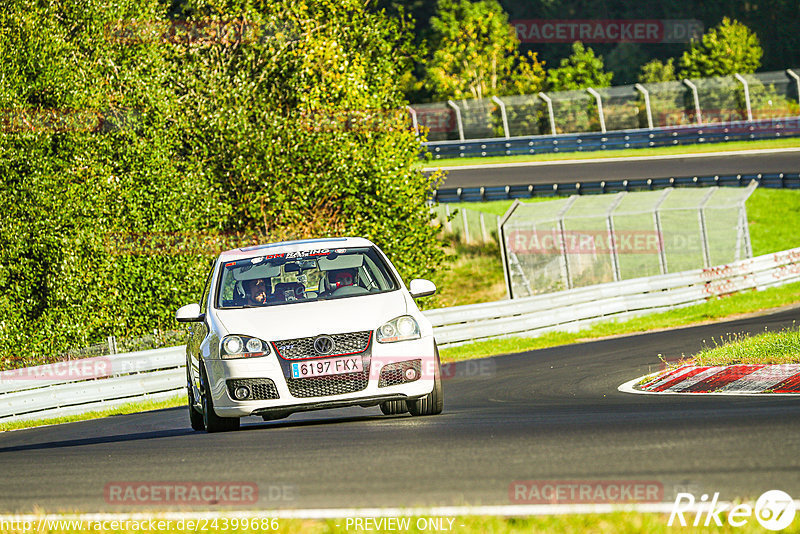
[
  {"x": 342, "y": 513},
  {"x": 613, "y": 159}
]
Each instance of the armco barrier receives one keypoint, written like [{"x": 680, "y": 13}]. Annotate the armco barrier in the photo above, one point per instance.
[
  {"x": 576, "y": 308},
  {"x": 35, "y": 393},
  {"x": 619, "y": 139},
  {"x": 81, "y": 386},
  {"x": 510, "y": 192}
]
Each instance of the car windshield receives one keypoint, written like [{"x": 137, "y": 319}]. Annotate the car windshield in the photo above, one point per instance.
[{"x": 323, "y": 274}]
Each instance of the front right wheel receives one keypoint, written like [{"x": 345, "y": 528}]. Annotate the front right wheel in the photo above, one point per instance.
[
  {"x": 433, "y": 402},
  {"x": 195, "y": 417},
  {"x": 394, "y": 407},
  {"x": 211, "y": 420}
]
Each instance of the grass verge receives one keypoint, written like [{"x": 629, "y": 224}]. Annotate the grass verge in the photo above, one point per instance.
[
  {"x": 635, "y": 152},
  {"x": 473, "y": 274},
  {"x": 616, "y": 522},
  {"x": 739, "y": 348},
  {"x": 134, "y": 407},
  {"x": 728, "y": 307}
]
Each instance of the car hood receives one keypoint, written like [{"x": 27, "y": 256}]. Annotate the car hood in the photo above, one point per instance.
[{"x": 306, "y": 319}]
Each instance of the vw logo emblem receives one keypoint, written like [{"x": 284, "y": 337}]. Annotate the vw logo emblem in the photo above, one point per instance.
[{"x": 323, "y": 345}]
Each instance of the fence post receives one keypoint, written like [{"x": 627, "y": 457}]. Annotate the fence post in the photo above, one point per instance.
[
  {"x": 748, "y": 245},
  {"x": 599, "y": 100},
  {"x": 796, "y": 78},
  {"x": 413, "y": 114},
  {"x": 483, "y": 229},
  {"x": 458, "y": 119},
  {"x": 466, "y": 225},
  {"x": 693, "y": 87},
  {"x": 565, "y": 274},
  {"x": 641, "y": 88},
  {"x": 549, "y": 103},
  {"x": 701, "y": 213},
  {"x": 746, "y": 95},
  {"x": 503, "y": 115},
  {"x": 448, "y": 224},
  {"x": 504, "y": 253},
  {"x": 662, "y": 253},
  {"x": 112, "y": 345},
  {"x": 612, "y": 238}
]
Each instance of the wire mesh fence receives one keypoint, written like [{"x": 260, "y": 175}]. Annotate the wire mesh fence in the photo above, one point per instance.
[
  {"x": 116, "y": 345},
  {"x": 668, "y": 104},
  {"x": 586, "y": 240},
  {"x": 465, "y": 225}
]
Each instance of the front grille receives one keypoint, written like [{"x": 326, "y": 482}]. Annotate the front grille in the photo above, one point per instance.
[
  {"x": 321, "y": 386},
  {"x": 260, "y": 388},
  {"x": 395, "y": 373},
  {"x": 303, "y": 347}
]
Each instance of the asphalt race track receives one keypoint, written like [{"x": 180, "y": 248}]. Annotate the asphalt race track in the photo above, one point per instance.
[
  {"x": 622, "y": 169},
  {"x": 552, "y": 414}
]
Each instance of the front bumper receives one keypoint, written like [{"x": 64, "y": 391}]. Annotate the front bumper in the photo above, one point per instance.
[{"x": 272, "y": 367}]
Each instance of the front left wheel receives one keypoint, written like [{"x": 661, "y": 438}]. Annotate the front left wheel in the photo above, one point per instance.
[{"x": 433, "y": 402}]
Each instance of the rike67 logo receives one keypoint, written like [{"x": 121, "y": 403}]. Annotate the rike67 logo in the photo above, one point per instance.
[{"x": 774, "y": 510}]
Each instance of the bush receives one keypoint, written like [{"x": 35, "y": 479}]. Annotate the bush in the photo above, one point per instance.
[{"x": 265, "y": 124}]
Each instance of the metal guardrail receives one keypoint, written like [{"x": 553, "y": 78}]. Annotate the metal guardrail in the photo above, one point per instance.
[
  {"x": 37, "y": 392},
  {"x": 574, "y": 309},
  {"x": 90, "y": 384},
  {"x": 620, "y": 139},
  {"x": 511, "y": 192}
]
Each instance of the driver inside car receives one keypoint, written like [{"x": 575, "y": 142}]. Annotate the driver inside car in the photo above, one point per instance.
[{"x": 256, "y": 292}]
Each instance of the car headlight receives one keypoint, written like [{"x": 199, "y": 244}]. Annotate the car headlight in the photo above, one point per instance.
[
  {"x": 398, "y": 329},
  {"x": 242, "y": 347}
]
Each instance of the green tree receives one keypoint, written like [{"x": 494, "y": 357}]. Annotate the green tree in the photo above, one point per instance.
[
  {"x": 576, "y": 112},
  {"x": 728, "y": 48},
  {"x": 581, "y": 70},
  {"x": 476, "y": 53},
  {"x": 656, "y": 71}
]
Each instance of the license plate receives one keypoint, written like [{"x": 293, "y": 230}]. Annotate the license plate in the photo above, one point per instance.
[{"x": 334, "y": 366}]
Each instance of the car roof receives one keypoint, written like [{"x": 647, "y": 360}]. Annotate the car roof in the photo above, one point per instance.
[{"x": 294, "y": 246}]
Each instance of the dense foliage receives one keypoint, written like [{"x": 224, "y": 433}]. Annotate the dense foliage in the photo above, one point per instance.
[
  {"x": 729, "y": 48},
  {"x": 134, "y": 148},
  {"x": 475, "y": 54},
  {"x": 580, "y": 70},
  {"x": 774, "y": 21}
]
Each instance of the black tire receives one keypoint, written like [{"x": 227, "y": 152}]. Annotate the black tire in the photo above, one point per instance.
[
  {"x": 394, "y": 407},
  {"x": 195, "y": 417},
  {"x": 433, "y": 402},
  {"x": 211, "y": 421}
]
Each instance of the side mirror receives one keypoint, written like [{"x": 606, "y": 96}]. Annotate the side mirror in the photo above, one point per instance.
[
  {"x": 189, "y": 314},
  {"x": 420, "y": 287}
]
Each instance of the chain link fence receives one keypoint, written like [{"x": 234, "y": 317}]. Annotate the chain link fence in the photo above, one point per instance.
[
  {"x": 468, "y": 226},
  {"x": 586, "y": 240},
  {"x": 715, "y": 100}
]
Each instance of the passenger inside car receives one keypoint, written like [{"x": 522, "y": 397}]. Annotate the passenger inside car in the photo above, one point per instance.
[{"x": 341, "y": 278}]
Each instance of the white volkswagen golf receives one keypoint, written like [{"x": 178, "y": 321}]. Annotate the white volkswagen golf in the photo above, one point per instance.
[{"x": 306, "y": 325}]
